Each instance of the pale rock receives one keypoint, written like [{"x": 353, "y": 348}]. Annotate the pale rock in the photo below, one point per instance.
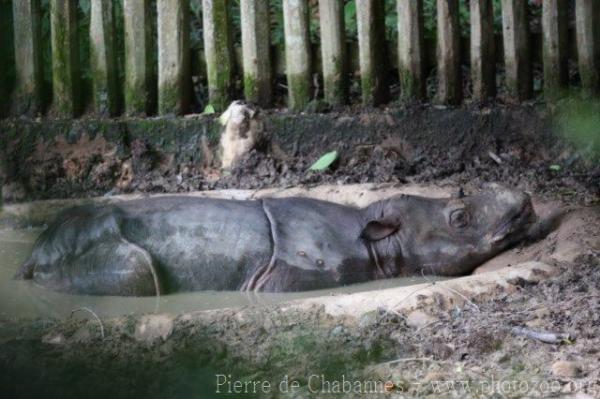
[
  {"x": 153, "y": 327},
  {"x": 418, "y": 319},
  {"x": 243, "y": 129},
  {"x": 566, "y": 369},
  {"x": 53, "y": 339}
]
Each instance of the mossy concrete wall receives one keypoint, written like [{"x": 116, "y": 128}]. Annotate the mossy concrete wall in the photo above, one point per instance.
[
  {"x": 555, "y": 28},
  {"x": 28, "y": 57},
  {"x": 174, "y": 80},
  {"x": 218, "y": 51},
  {"x": 256, "y": 52},
  {"x": 449, "y": 72},
  {"x": 483, "y": 54},
  {"x": 66, "y": 73},
  {"x": 7, "y": 58},
  {"x": 517, "y": 49},
  {"x": 333, "y": 51},
  {"x": 411, "y": 49},
  {"x": 371, "y": 47},
  {"x": 140, "y": 80},
  {"x": 297, "y": 53},
  {"x": 588, "y": 48},
  {"x": 104, "y": 58}
]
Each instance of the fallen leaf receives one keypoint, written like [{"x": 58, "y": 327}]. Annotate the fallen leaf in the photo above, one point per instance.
[{"x": 325, "y": 161}]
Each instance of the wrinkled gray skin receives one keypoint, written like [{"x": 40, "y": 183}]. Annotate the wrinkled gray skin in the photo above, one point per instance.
[{"x": 173, "y": 244}]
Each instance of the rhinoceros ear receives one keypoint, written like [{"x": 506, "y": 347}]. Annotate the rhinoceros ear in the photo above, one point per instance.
[{"x": 377, "y": 230}]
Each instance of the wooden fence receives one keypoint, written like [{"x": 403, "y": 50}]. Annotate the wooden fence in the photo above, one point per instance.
[{"x": 173, "y": 82}]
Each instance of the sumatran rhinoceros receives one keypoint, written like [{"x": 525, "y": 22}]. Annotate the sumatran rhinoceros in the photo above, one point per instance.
[{"x": 171, "y": 244}]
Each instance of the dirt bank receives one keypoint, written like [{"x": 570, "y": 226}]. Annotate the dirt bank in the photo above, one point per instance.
[{"x": 521, "y": 146}]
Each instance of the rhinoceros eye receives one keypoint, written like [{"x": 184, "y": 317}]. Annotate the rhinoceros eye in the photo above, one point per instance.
[{"x": 459, "y": 218}]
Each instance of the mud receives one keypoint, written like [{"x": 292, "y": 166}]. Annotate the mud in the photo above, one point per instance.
[
  {"x": 520, "y": 146},
  {"x": 469, "y": 345}
]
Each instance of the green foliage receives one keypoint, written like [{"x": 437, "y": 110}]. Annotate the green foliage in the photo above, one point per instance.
[
  {"x": 209, "y": 109},
  {"x": 554, "y": 167},
  {"x": 391, "y": 20},
  {"x": 579, "y": 123},
  {"x": 350, "y": 18}
]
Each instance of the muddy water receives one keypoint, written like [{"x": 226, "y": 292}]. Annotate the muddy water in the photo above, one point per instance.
[{"x": 24, "y": 299}]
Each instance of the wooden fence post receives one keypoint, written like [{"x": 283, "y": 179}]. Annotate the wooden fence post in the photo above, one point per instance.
[
  {"x": 297, "y": 53},
  {"x": 333, "y": 51},
  {"x": 140, "y": 92},
  {"x": 174, "y": 81},
  {"x": 517, "y": 61},
  {"x": 483, "y": 59},
  {"x": 372, "y": 51},
  {"x": 28, "y": 57},
  {"x": 449, "y": 67},
  {"x": 7, "y": 40},
  {"x": 66, "y": 72},
  {"x": 587, "y": 14},
  {"x": 411, "y": 51},
  {"x": 218, "y": 51},
  {"x": 103, "y": 58},
  {"x": 555, "y": 45},
  {"x": 256, "y": 49}
]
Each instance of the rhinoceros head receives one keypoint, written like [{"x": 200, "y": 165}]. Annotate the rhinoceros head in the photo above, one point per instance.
[{"x": 449, "y": 236}]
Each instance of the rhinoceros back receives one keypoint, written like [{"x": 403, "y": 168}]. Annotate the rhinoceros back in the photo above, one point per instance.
[
  {"x": 316, "y": 245},
  {"x": 200, "y": 243},
  {"x": 150, "y": 246},
  {"x": 83, "y": 252}
]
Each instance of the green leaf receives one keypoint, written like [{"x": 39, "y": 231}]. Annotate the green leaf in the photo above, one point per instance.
[
  {"x": 325, "y": 161},
  {"x": 209, "y": 109},
  {"x": 554, "y": 167},
  {"x": 224, "y": 118}
]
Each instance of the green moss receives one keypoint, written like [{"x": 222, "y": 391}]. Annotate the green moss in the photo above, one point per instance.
[
  {"x": 136, "y": 98},
  {"x": 169, "y": 99},
  {"x": 553, "y": 83},
  {"x": 412, "y": 88},
  {"x": 139, "y": 84},
  {"x": 298, "y": 91},
  {"x": 65, "y": 59},
  {"x": 367, "y": 85},
  {"x": 218, "y": 91},
  {"x": 219, "y": 64},
  {"x": 250, "y": 88},
  {"x": 590, "y": 80},
  {"x": 335, "y": 85}
]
